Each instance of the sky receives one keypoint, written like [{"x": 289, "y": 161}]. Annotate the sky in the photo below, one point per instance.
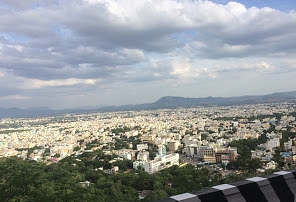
[{"x": 66, "y": 54}]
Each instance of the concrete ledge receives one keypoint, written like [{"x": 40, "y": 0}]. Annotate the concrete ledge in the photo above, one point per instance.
[
  {"x": 187, "y": 197},
  {"x": 231, "y": 192},
  {"x": 250, "y": 190},
  {"x": 281, "y": 187},
  {"x": 210, "y": 194},
  {"x": 266, "y": 188},
  {"x": 277, "y": 187}
]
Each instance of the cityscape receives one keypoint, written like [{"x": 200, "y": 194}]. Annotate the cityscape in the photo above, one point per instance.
[
  {"x": 229, "y": 141},
  {"x": 147, "y": 100}
]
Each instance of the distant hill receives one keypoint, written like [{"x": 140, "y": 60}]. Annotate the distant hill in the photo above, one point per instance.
[
  {"x": 175, "y": 102},
  {"x": 170, "y": 101},
  {"x": 163, "y": 103}
]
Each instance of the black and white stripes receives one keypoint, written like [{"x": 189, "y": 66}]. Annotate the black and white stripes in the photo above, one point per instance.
[{"x": 279, "y": 186}]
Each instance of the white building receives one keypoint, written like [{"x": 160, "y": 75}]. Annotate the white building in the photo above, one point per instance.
[
  {"x": 161, "y": 162},
  {"x": 125, "y": 155},
  {"x": 273, "y": 143},
  {"x": 138, "y": 164},
  {"x": 143, "y": 156},
  {"x": 141, "y": 147}
]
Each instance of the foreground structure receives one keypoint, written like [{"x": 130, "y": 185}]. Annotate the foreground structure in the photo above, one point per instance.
[{"x": 279, "y": 186}]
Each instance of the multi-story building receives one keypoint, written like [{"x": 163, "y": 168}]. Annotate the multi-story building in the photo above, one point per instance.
[
  {"x": 230, "y": 152},
  {"x": 206, "y": 154},
  {"x": 141, "y": 147},
  {"x": 173, "y": 145},
  {"x": 161, "y": 162},
  {"x": 143, "y": 156},
  {"x": 273, "y": 143},
  {"x": 138, "y": 164}
]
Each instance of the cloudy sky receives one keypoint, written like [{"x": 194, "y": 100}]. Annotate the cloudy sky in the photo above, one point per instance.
[{"x": 64, "y": 54}]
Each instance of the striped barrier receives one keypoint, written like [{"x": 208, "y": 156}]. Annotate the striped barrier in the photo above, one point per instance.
[{"x": 276, "y": 187}]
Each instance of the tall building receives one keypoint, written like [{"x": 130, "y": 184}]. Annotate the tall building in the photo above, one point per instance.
[{"x": 161, "y": 162}]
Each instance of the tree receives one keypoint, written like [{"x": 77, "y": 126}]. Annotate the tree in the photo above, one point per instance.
[
  {"x": 234, "y": 129},
  {"x": 158, "y": 194},
  {"x": 76, "y": 148},
  {"x": 278, "y": 158}
]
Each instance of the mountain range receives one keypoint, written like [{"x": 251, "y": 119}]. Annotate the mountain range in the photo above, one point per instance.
[{"x": 163, "y": 103}]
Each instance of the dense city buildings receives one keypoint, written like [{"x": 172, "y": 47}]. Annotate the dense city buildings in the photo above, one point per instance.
[
  {"x": 152, "y": 139},
  {"x": 176, "y": 150}
]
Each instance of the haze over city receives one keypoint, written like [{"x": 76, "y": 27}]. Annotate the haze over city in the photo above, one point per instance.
[{"x": 65, "y": 54}]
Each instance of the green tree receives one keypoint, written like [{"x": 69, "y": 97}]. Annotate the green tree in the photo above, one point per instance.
[{"x": 158, "y": 194}]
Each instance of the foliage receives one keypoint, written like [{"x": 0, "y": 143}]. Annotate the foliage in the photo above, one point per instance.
[
  {"x": 246, "y": 164},
  {"x": 204, "y": 136},
  {"x": 23, "y": 180},
  {"x": 124, "y": 129},
  {"x": 278, "y": 158},
  {"x": 244, "y": 146},
  {"x": 244, "y": 161},
  {"x": 286, "y": 135},
  {"x": 120, "y": 144},
  {"x": 262, "y": 138}
]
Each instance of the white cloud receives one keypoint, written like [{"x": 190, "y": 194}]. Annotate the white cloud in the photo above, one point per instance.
[
  {"x": 16, "y": 47},
  {"x": 265, "y": 66},
  {"x": 232, "y": 49},
  {"x": 186, "y": 69},
  {"x": 35, "y": 83},
  {"x": 14, "y": 97},
  {"x": 181, "y": 68}
]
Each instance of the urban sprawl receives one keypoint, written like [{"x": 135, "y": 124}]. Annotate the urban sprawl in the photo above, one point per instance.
[{"x": 156, "y": 139}]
